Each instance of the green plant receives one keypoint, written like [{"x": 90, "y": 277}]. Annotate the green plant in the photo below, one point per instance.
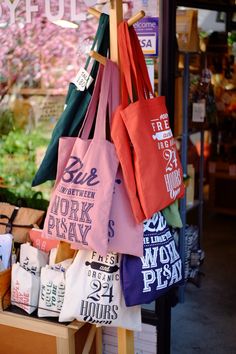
[
  {"x": 6, "y": 122},
  {"x": 17, "y": 160}
]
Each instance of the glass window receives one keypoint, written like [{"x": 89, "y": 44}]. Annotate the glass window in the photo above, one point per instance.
[{"x": 38, "y": 59}]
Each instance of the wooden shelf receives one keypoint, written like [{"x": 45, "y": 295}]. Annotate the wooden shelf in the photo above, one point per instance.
[
  {"x": 64, "y": 333},
  {"x": 39, "y": 92}
]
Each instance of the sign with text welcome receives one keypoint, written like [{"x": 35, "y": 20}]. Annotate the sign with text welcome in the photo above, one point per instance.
[{"x": 147, "y": 31}]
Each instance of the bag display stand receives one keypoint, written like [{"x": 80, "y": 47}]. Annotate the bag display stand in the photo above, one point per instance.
[
  {"x": 125, "y": 337},
  {"x": 65, "y": 333},
  {"x": 198, "y": 203}
]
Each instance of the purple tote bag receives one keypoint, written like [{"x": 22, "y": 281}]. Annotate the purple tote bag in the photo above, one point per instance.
[{"x": 146, "y": 278}]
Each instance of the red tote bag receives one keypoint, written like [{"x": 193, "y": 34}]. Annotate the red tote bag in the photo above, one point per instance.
[
  {"x": 80, "y": 205},
  {"x": 156, "y": 164},
  {"x": 123, "y": 146}
]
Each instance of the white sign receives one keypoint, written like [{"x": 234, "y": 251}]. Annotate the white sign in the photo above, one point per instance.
[
  {"x": 82, "y": 79},
  {"x": 10, "y": 7},
  {"x": 151, "y": 72},
  {"x": 199, "y": 112},
  {"x": 147, "y": 31},
  {"x": 148, "y": 43}
]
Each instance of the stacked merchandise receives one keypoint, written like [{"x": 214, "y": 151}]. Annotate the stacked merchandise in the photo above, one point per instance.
[
  {"x": 38, "y": 282},
  {"x": 194, "y": 254},
  {"x": 15, "y": 223}
]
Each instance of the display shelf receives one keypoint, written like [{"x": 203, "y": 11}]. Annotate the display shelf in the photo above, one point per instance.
[
  {"x": 38, "y": 92},
  {"x": 64, "y": 333},
  {"x": 184, "y": 208}
]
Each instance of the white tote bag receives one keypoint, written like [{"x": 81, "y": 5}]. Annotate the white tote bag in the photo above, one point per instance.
[
  {"x": 32, "y": 259},
  {"x": 93, "y": 293},
  {"x": 5, "y": 251},
  {"x": 52, "y": 292},
  {"x": 24, "y": 289}
]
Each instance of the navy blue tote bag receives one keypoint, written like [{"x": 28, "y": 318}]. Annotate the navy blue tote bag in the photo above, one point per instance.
[{"x": 146, "y": 278}]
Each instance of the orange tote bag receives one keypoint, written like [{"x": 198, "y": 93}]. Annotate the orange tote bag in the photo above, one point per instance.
[{"x": 155, "y": 161}]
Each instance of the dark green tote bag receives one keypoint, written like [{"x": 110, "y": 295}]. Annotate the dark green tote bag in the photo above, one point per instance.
[{"x": 77, "y": 103}]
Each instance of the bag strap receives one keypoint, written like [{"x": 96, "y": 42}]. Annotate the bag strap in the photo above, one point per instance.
[
  {"x": 134, "y": 46},
  {"x": 113, "y": 100},
  {"x": 9, "y": 225},
  {"x": 91, "y": 112},
  {"x": 125, "y": 66},
  {"x": 135, "y": 78},
  {"x": 10, "y": 220},
  {"x": 137, "y": 82},
  {"x": 100, "y": 125},
  {"x": 114, "y": 93}
]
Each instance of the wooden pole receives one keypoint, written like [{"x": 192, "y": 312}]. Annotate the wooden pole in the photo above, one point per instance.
[
  {"x": 125, "y": 337},
  {"x": 116, "y": 16}
]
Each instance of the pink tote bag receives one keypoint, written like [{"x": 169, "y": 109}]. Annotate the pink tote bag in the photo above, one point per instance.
[
  {"x": 125, "y": 234},
  {"x": 80, "y": 205}
]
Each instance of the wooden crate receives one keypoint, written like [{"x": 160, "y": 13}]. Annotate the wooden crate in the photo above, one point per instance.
[{"x": 5, "y": 289}]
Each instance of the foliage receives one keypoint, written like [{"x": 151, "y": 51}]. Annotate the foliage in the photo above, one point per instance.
[
  {"x": 17, "y": 160},
  {"x": 6, "y": 121},
  {"x": 40, "y": 52}
]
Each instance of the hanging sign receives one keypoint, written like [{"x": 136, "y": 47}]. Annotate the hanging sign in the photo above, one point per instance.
[
  {"x": 199, "y": 111},
  {"x": 147, "y": 31},
  {"x": 151, "y": 72}
]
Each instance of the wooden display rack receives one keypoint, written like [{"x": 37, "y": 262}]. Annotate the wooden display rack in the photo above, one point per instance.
[{"x": 65, "y": 334}]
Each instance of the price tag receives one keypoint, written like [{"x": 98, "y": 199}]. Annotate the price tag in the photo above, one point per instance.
[
  {"x": 82, "y": 80},
  {"x": 199, "y": 112}
]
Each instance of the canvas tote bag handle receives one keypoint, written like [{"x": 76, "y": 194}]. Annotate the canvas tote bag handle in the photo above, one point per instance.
[
  {"x": 135, "y": 79},
  {"x": 132, "y": 87},
  {"x": 113, "y": 99},
  {"x": 100, "y": 125},
  {"x": 91, "y": 112},
  {"x": 138, "y": 65}
]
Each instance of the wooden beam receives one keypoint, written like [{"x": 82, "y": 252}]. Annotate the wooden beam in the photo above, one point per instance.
[
  {"x": 116, "y": 16},
  {"x": 136, "y": 18},
  {"x": 35, "y": 324},
  {"x": 89, "y": 340},
  {"x": 125, "y": 341},
  {"x": 99, "y": 340},
  {"x": 125, "y": 338},
  {"x": 98, "y": 57},
  {"x": 94, "y": 12}
]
